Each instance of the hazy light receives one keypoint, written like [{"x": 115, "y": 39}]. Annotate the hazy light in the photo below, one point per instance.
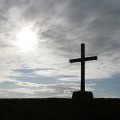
[{"x": 26, "y": 39}]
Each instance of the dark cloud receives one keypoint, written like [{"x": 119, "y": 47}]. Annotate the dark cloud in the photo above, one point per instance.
[
  {"x": 105, "y": 23},
  {"x": 95, "y": 22}
]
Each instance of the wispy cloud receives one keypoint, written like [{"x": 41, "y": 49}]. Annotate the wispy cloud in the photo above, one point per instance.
[{"x": 61, "y": 26}]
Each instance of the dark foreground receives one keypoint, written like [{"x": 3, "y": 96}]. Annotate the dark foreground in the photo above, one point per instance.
[{"x": 59, "y": 109}]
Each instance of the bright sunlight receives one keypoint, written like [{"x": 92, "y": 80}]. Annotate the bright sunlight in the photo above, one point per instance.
[{"x": 26, "y": 39}]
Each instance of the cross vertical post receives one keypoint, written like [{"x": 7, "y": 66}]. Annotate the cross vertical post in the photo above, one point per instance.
[{"x": 82, "y": 67}]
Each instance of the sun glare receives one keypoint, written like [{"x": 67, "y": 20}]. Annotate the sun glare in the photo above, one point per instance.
[{"x": 26, "y": 39}]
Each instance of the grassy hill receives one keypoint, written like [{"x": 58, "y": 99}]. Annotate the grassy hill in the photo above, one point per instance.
[{"x": 59, "y": 109}]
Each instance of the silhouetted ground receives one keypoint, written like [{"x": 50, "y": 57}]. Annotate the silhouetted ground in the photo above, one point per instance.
[{"x": 59, "y": 109}]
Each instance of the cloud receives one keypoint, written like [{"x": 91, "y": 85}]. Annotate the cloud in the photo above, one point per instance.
[
  {"x": 95, "y": 24},
  {"x": 61, "y": 26}
]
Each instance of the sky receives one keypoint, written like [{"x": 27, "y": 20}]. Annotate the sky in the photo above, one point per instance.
[{"x": 38, "y": 37}]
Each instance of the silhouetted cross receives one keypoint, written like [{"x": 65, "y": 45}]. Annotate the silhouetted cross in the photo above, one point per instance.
[{"x": 82, "y": 60}]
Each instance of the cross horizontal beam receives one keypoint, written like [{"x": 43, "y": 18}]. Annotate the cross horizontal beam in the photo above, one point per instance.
[{"x": 83, "y": 59}]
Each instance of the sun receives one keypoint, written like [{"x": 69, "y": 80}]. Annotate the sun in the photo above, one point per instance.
[{"x": 26, "y": 39}]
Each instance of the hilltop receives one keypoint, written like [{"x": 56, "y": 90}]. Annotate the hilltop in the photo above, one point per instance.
[{"x": 59, "y": 109}]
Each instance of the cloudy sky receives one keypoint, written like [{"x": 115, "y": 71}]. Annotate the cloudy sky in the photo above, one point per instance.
[{"x": 38, "y": 37}]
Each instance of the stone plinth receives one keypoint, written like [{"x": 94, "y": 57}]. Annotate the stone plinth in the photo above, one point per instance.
[{"x": 80, "y": 95}]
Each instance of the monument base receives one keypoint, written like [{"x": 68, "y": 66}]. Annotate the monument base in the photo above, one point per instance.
[{"x": 82, "y": 95}]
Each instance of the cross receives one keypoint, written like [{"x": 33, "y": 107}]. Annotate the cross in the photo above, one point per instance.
[{"x": 82, "y": 60}]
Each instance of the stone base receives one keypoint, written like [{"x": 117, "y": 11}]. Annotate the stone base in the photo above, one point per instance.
[{"x": 79, "y": 95}]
